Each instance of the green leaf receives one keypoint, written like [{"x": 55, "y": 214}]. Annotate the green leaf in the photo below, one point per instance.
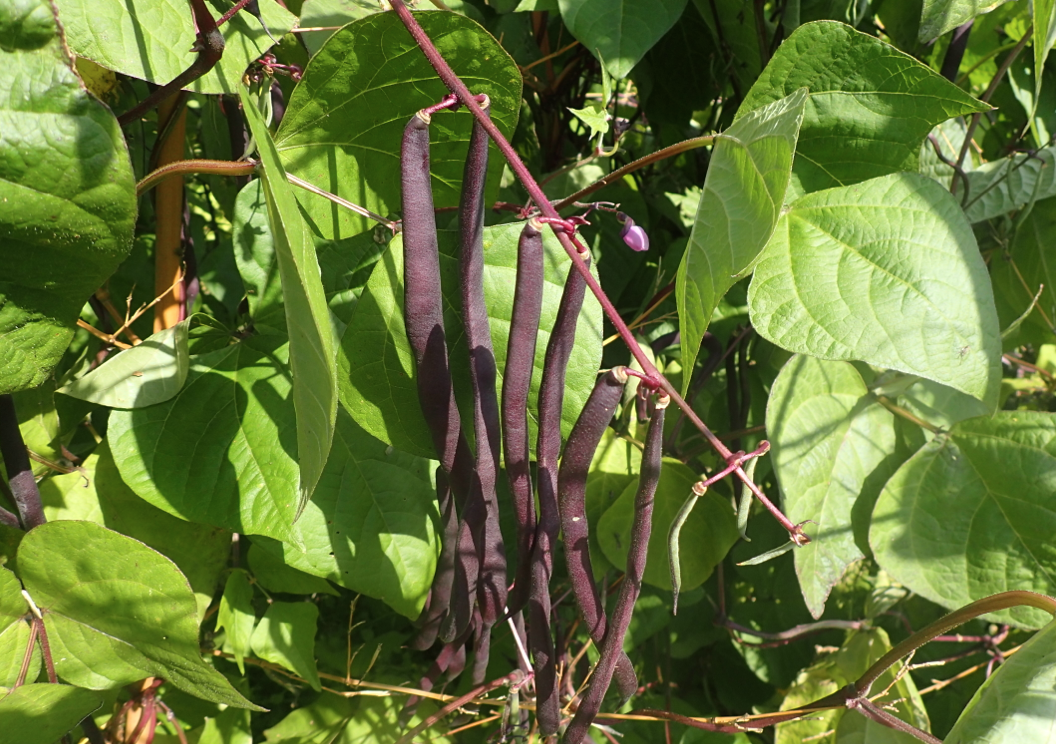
[
  {"x": 364, "y": 720},
  {"x": 307, "y": 315},
  {"x": 67, "y": 196},
  {"x": 971, "y": 514},
  {"x": 594, "y": 116},
  {"x": 96, "y": 493},
  {"x": 707, "y": 535},
  {"x": 940, "y": 16},
  {"x": 275, "y": 576},
  {"x": 829, "y": 435},
  {"x": 622, "y": 31},
  {"x": 43, "y": 713},
  {"x": 329, "y": 16},
  {"x": 377, "y": 378},
  {"x": 286, "y": 636},
  {"x": 738, "y": 211},
  {"x": 232, "y": 726},
  {"x": 149, "y": 373},
  {"x": 1029, "y": 261},
  {"x": 734, "y": 28},
  {"x": 38, "y": 421},
  {"x": 152, "y": 40},
  {"x": 615, "y": 466},
  {"x": 839, "y": 669},
  {"x": 236, "y": 616},
  {"x": 886, "y": 272},
  {"x": 12, "y": 605},
  {"x": 1042, "y": 41},
  {"x": 344, "y": 123},
  {"x": 13, "y": 642},
  {"x": 1018, "y": 702},
  {"x": 111, "y": 622},
  {"x": 223, "y": 451},
  {"x": 1006, "y": 184},
  {"x": 371, "y": 526},
  {"x": 870, "y": 106}
]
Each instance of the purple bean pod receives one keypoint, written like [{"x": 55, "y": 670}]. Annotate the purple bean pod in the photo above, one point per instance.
[
  {"x": 612, "y": 646},
  {"x": 516, "y": 382},
  {"x": 582, "y": 443},
  {"x": 548, "y": 449},
  {"x": 491, "y": 587},
  {"x": 443, "y": 580}
]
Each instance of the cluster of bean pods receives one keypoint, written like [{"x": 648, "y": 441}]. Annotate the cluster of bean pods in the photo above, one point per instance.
[{"x": 469, "y": 593}]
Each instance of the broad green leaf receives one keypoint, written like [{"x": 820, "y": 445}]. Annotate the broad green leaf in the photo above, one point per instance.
[
  {"x": 43, "y": 713},
  {"x": 1042, "y": 41},
  {"x": 111, "y": 622},
  {"x": 236, "y": 616},
  {"x": 329, "y": 16},
  {"x": 707, "y": 535},
  {"x": 829, "y": 435},
  {"x": 886, "y": 272},
  {"x": 311, "y": 335},
  {"x": 1019, "y": 275},
  {"x": 734, "y": 28},
  {"x": 940, "y": 405},
  {"x": 38, "y": 421},
  {"x": 371, "y": 525},
  {"x": 223, "y": 451},
  {"x": 377, "y": 377},
  {"x": 971, "y": 514},
  {"x": 363, "y": 720},
  {"x": 344, "y": 123},
  {"x": 615, "y": 466},
  {"x": 232, "y": 726},
  {"x": 940, "y": 16},
  {"x": 286, "y": 636},
  {"x": 839, "y": 669},
  {"x": 739, "y": 208},
  {"x": 149, "y": 373},
  {"x": 67, "y": 196},
  {"x": 1006, "y": 184},
  {"x": 12, "y": 605},
  {"x": 622, "y": 31},
  {"x": 870, "y": 106},
  {"x": 152, "y": 39},
  {"x": 96, "y": 493},
  {"x": 273, "y": 574},
  {"x": 1017, "y": 703}
]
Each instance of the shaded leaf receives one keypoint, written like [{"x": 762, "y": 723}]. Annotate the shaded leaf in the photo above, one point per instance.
[
  {"x": 707, "y": 535},
  {"x": 308, "y": 324},
  {"x": 870, "y": 105},
  {"x": 829, "y": 435},
  {"x": 615, "y": 466},
  {"x": 113, "y": 622},
  {"x": 971, "y": 514},
  {"x": 1005, "y": 184},
  {"x": 232, "y": 726},
  {"x": 67, "y": 196},
  {"x": 149, "y": 373},
  {"x": 1018, "y": 702},
  {"x": 152, "y": 39},
  {"x": 344, "y": 123},
  {"x": 887, "y": 272},
  {"x": 286, "y": 636},
  {"x": 275, "y": 576},
  {"x": 236, "y": 616},
  {"x": 377, "y": 381},
  {"x": 43, "y": 713},
  {"x": 621, "y": 31},
  {"x": 371, "y": 526},
  {"x": 13, "y": 642},
  {"x": 743, "y": 193}
]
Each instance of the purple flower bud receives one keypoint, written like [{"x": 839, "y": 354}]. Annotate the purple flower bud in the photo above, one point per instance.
[{"x": 634, "y": 236}]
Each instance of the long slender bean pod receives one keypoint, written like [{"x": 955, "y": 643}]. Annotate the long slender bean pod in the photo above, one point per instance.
[
  {"x": 516, "y": 382},
  {"x": 548, "y": 449},
  {"x": 491, "y": 588},
  {"x": 443, "y": 580},
  {"x": 582, "y": 443},
  {"x": 612, "y": 646},
  {"x": 698, "y": 490},
  {"x": 467, "y": 573}
]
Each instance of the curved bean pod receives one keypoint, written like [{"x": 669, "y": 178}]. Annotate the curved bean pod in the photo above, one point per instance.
[
  {"x": 516, "y": 382},
  {"x": 491, "y": 588},
  {"x": 612, "y": 646},
  {"x": 548, "y": 448},
  {"x": 443, "y": 580},
  {"x": 582, "y": 443},
  {"x": 698, "y": 490}
]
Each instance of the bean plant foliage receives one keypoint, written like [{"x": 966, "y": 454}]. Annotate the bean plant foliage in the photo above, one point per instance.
[{"x": 410, "y": 372}]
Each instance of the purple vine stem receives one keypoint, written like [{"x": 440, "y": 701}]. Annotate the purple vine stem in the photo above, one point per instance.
[{"x": 572, "y": 246}]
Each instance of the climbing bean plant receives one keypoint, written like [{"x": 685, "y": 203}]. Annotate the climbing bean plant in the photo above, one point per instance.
[{"x": 399, "y": 374}]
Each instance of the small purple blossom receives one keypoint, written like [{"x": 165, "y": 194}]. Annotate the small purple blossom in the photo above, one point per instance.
[{"x": 633, "y": 235}]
